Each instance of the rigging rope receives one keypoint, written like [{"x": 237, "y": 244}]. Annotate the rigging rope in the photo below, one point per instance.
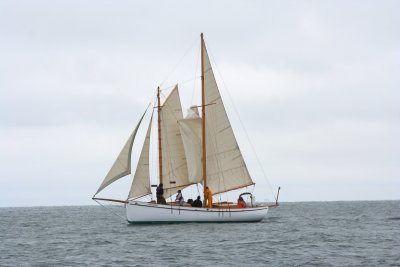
[
  {"x": 241, "y": 122},
  {"x": 178, "y": 83},
  {"x": 109, "y": 209},
  {"x": 195, "y": 74},
  {"x": 178, "y": 63}
]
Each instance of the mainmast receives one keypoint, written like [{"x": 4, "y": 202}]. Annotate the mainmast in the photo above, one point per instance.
[
  {"x": 203, "y": 114},
  {"x": 159, "y": 135}
]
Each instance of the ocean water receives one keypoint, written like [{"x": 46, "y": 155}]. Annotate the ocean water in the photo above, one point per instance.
[{"x": 361, "y": 233}]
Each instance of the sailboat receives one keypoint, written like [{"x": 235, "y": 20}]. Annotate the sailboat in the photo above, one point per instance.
[{"x": 195, "y": 150}]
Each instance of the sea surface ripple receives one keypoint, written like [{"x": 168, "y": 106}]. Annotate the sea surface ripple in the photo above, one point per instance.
[{"x": 359, "y": 233}]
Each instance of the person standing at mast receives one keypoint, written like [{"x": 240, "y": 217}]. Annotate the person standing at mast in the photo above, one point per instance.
[
  {"x": 160, "y": 194},
  {"x": 207, "y": 197}
]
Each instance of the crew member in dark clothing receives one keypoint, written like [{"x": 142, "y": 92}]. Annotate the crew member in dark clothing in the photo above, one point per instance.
[
  {"x": 197, "y": 203},
  {"x": 160, "y": 194}
]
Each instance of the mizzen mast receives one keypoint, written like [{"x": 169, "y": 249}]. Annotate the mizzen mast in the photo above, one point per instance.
[
  {"x": 203, "y": 114},
  {"x": 159, "y": 135}
]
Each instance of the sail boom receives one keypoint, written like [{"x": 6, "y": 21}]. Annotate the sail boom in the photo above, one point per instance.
[
  {"x": 235, "y": 188},
  {"x": 137, "y": 197},
  {"x": 168, "y": 192},
  {"x": 175, "y": 187}
]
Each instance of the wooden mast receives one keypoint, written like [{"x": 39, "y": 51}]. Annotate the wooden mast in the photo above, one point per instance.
[
  {"x": 159, "y": 135},
  {"x": 203, "y": 114}
]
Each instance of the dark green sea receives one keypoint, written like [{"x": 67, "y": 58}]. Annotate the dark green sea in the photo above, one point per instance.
[{"x": 359, "y": 233}]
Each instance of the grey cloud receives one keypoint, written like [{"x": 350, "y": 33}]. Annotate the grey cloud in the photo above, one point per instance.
[{"x": 315, "y": 83}]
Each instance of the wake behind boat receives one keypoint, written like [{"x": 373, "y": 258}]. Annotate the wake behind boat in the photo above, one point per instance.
[{"x": 183, "y": 143}]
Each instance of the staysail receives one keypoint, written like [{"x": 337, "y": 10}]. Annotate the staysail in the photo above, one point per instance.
[
  {"x": 173, "y": 154},
  {"x": 226, "y": 169},
  {"x": 190, "y": 128},
  {"x": 141, "y": 180},
  {"x": 122, "y": 165}
]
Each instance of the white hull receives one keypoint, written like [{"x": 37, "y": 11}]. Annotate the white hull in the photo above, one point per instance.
[{"x": 143, "y": 212}]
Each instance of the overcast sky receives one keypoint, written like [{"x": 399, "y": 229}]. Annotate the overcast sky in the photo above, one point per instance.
[{"x": 315, "y": 83}]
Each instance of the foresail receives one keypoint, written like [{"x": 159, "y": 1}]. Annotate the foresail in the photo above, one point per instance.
[
  {"x": 141, "y": 180},
  {"x": 174, "y": 160},
  {"x": 226, "y": 169},
  {"x": 122, "y": 165},
  {"x": 190, "y": 128}
]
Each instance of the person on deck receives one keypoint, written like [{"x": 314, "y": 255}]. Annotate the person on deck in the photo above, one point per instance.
[
  {"x": 179, "y": 198},
  {"x": 241, "y": 203},
  {"x": 197, "y": 203},
  {"x": 207, "y": 198},
  {"x": 160, "y": 194}
]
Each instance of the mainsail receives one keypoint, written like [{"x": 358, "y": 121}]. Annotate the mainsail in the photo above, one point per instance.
[
  {"x": 122, "y": 165},
  {"x": 173, "y": 154},
  {"x": 226, "y": 169},
  {"x": 141, "y": 180}
]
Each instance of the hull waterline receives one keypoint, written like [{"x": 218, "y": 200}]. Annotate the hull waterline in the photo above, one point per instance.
[{"x": 143, "y": 212}]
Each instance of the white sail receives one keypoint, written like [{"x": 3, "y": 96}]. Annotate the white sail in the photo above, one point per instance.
[
  {"x": 173, "y": 154},
  {"x": 226, "y": 169},
  {"x": 181, "y": 162},
  {"x": 190, "y": 128},
  {"x": 141, "y": 180},
  {"x": 122, "y": 165}
]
